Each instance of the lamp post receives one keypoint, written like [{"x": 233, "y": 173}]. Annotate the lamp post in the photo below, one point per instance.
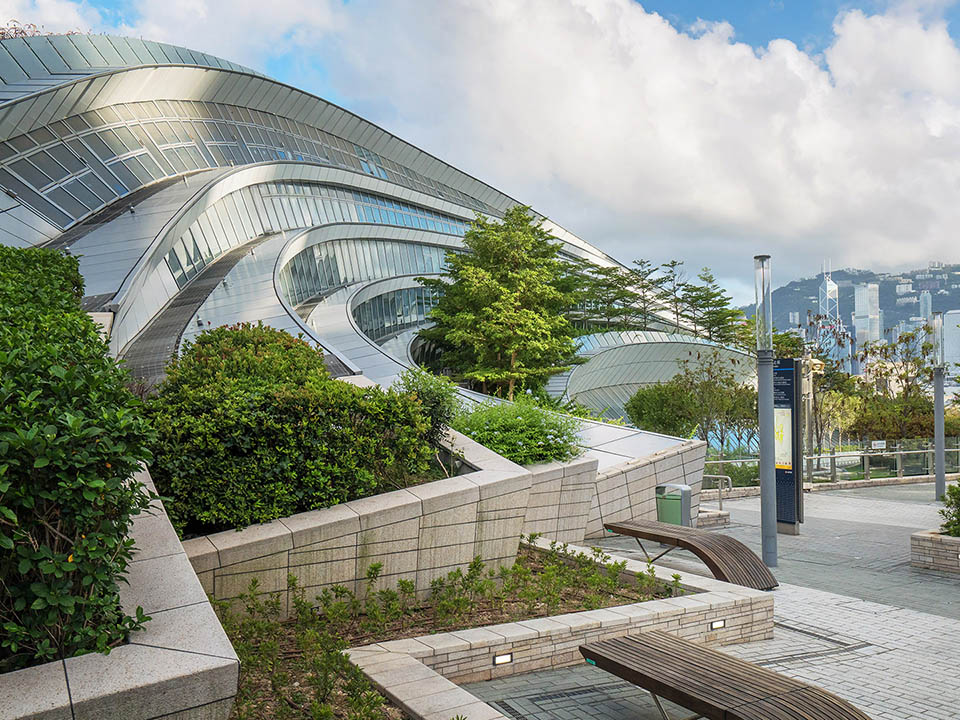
[
  {"x": 938, "y": 372},
  {"x": 768, "y": 480}
]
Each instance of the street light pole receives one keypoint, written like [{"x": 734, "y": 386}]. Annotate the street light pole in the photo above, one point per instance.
[
  {"x": 768, "y": 480},
  {"x": 938, "y": 375}
]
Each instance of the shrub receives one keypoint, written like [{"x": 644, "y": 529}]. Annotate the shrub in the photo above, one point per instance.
[
  {"x": 437, "y": 395},
  {"x": 70, "y": 439},
  {"x": 951, "y": 511},
  {"x": 238, "y": 443},
  {"x": 521, "y": 432},
  {"x": 253, "y": 356}
]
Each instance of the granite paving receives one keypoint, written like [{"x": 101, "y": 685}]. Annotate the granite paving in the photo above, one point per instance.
[{"x": 851, "y": 616}]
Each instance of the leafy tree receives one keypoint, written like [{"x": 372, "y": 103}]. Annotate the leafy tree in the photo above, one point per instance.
[
  {"x": 707, "y": 399},
  {"x": 500, "y": 320},
  {"x": 896, "y": 399},
  {"x": 707, "y": 305},
  {"x": 610, "y": 296},
  {"x": 649, "y": 290},
  {"x": 668, "y": 408},
  {"x": 674, "y": 280}
]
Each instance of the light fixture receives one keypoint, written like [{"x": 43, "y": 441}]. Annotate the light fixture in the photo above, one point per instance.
[
  {"x": 764, "y": 308},
  {"x": 503, "y": 659},
  {"x": 718, "y": 624},
  {"x": 936, "y": 324}
]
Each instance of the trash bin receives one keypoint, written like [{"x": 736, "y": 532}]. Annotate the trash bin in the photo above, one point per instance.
[{"x": 673, "y": 504}]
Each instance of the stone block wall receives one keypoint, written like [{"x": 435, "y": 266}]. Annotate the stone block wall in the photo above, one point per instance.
[
  {"x": 419, "y": 674},
  {"x": 417, "y": 534},
  {"x": 423, "y": 532},
  {"x": 560, "y": 496},
  {"x": 929, "y": 550},
  {"x": 627, "y": 492}
]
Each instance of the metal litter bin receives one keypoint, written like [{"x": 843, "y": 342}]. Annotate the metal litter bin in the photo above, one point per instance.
[{"x": 673, "y": 504}]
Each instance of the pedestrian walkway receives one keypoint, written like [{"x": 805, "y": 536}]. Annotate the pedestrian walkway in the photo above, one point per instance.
[{"x": 851, "y": 617}]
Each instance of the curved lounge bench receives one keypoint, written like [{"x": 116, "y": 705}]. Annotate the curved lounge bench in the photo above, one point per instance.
[
  {"x": 728, "y": 559},
  {"x": 711, "y": 684}
]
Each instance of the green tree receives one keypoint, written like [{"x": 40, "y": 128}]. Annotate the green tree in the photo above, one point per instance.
[
  {"x": 674, "y": 280},
  {"x": 609, "y": 296},
  {"x": 649, "y": 290},
  {"x": 668, "y": 408},
  {"x": 708, "y": 307},
  {"x": 499, "y": 321}
]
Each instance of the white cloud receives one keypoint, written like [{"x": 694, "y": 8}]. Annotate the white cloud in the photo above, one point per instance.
[
  {"x": 645, "y": 140},
  {"x": 51, "y": 15}
]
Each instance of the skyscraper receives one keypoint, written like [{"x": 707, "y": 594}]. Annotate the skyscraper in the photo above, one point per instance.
[
  {"x": 926, "y": 305},
  {"x": 866, "y": 313}
]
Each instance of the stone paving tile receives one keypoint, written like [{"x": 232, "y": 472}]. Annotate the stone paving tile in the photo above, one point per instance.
[{"x": 887, "y": 638}]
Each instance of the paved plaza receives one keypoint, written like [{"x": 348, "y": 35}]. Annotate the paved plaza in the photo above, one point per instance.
[{"x": 851, "y": 616}]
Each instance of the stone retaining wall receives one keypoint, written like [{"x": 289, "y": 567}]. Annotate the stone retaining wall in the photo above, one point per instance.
[
  {"x": 423, "y": 532},
  {"x": 627, "y": 492},
  {"x": 181, "y": 665},
  {"x": 930, "y": 550},
  {"x": 419, "y": 674}
]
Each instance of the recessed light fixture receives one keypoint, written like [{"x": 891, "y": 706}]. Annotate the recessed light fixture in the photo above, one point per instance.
[
  {"x": 503, "y": 659},
  {"x": 717, "y": 624}
]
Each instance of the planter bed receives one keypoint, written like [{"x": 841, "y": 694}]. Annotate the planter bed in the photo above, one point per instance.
[
  {"x": 420, "y": 674},
  {"x": 929, "y": 550}
]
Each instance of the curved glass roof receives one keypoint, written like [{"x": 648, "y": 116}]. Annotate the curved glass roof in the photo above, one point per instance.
[{"x": 29, "y": 65}]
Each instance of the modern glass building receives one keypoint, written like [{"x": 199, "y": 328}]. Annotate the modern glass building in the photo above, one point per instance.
[{"x": 198, "y": 193}]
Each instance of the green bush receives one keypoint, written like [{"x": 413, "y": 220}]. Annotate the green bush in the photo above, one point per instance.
[
  {"x": 521, "y": 432},
  {"x": 254, "y": 356},
  {"x": 70, "y": 439},
  {"x": 240, "y": 443},
  {"x": 951, "y": 511},
  {"x": 437, "y": 395}
]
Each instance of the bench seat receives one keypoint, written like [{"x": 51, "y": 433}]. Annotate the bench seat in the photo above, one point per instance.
[{"x": 711, "y": 684}]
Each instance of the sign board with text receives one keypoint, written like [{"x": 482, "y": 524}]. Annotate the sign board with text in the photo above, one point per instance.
[
  {"x": 787, "y": 447},
  {"x": 878, "y": 445}
]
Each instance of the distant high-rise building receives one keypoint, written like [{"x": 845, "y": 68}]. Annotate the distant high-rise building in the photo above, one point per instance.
[
  {"x": 951, "y": 341},
  {"x": 830, "y": 330},
  {"x": 866, "y": 313},
  {"x": 926, "y": 305}
]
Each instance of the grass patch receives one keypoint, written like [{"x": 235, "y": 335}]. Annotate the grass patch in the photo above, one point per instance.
[{"x": 296, "y": 668}]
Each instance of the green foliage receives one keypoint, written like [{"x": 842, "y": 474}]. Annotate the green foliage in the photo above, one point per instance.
[
  {"x": 70, "y": 439},
  {"x": 669, "y": 408},
  {"x": 707, "y": 398},
  {"x": 521, "y": 432},
  {"x": 309, "y": 676},
  {"x": 951, "y": 511},
  {"x": 252, "y": 356},
  {"x": 436, "y": 394},
  {"x": 239, "y": 444},
  {"x": 708, "y": 308},
  {"x": 499, "y": 321}
]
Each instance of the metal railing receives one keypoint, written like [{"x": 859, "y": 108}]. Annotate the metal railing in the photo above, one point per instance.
[
  {"x": 861, "y": 457},
  {"x": 720, "y": 479}
]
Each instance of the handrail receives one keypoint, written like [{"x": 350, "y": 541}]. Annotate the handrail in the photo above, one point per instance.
[{"x": 720, "y": 485}]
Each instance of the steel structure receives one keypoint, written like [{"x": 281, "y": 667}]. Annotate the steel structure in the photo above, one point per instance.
[{"x": 198, "y": 193}]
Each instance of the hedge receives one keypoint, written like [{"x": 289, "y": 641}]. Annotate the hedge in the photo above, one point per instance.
[
  {"x": 521, "y": 431},
  {"x": 250, "y": 428},
  {"x": 70, "y": 439}
]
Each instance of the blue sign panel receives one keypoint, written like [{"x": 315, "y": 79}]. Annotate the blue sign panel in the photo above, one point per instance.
[{"x": 787, "y": 448}]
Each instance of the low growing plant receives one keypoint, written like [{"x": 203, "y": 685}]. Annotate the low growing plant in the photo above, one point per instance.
[
  {"x": 951, "y": 511},
  {"x": 521, "y": 431}
]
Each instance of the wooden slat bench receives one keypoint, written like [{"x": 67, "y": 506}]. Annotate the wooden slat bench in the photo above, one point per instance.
[
  {"x": 728, "y": 559},
  {"x": 712, "y": 685}
]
